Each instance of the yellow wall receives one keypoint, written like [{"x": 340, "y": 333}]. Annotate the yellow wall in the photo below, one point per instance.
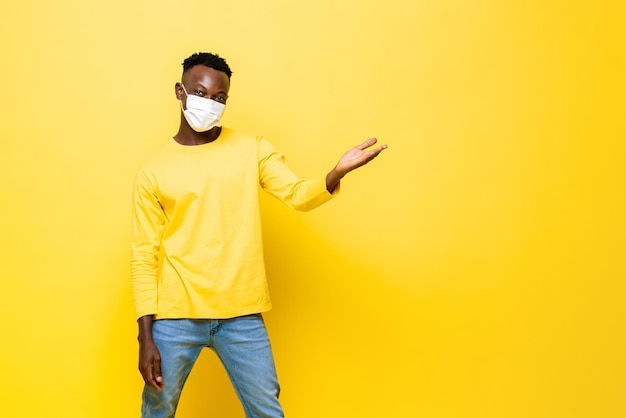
[{"x": 475, "y": 270}]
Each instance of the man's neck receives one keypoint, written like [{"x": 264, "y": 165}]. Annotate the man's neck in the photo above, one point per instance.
[{"x": 187, "y": 136}]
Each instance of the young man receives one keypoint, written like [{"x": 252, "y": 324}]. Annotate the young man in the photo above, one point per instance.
[{"x": 197, "y": 259}]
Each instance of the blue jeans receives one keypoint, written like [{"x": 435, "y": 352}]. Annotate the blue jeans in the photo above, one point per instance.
[{"x": 242, "y": 345}]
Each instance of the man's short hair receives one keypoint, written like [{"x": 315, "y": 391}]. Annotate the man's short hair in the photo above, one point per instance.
[{"x": 209, "y": 60}]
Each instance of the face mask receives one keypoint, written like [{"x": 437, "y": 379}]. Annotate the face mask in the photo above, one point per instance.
[{"x": 202, "y": 114}]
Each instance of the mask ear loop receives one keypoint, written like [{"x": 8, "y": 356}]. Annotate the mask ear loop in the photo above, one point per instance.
[{"x": 181, "y": 100}]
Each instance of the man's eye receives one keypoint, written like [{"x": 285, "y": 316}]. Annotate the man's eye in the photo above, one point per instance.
[
  {"x": 198, "y": 93},
  {"x": 220, "y": 99}
]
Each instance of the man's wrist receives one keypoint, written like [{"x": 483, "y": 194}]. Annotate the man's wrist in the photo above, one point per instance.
[{"x": 145, "y": 328}]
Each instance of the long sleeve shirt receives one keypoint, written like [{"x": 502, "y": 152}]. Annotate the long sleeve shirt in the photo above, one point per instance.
[{"x": 197, "y": 245}]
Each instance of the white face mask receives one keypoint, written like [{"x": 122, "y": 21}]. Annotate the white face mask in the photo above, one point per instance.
[{"x": 202, "y": 114}]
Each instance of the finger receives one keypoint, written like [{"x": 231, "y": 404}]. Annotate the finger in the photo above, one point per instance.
[
  {"x": 150, "y": 378},
  {"x": 154, "y": 385},
  {"x": 379, "y": 149},
  {"x": 374, "y": 151},
  {"x": 367, "y": 144},
  {"x": 146, "y": 373},
  {"x": 158, "y": 377}
]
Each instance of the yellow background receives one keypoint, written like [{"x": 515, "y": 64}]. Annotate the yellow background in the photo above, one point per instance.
[{"x": 475, "y": 270}]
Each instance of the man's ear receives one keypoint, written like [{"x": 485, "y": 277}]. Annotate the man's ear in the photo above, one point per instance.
[{"x": 178, "y": 90}]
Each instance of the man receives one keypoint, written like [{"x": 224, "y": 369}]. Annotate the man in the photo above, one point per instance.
[{"x": 197, "y": 258}]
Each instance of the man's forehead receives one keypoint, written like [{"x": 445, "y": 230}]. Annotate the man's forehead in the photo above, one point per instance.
[{"x": 200, "y": 72}]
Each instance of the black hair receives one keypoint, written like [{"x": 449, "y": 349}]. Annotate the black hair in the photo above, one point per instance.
[{"x": 209, "y": 60}]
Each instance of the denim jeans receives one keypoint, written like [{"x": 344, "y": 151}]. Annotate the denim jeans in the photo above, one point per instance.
[{"x": 243, "y": 347}]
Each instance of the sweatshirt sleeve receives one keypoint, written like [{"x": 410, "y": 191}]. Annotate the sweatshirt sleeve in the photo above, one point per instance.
[
  {"x": 147, "y": 224},
  {"x": 277, "y": 179}
]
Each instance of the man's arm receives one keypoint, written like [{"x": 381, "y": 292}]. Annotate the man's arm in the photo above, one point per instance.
[
  {"x": 148, "y": 220},
  {"x": 149, "y": 355},
  {"x": 305, "y": 194},
  {"x": 351, "y": 160}
]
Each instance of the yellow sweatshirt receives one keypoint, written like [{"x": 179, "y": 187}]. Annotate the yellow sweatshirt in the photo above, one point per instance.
[{"x": 196, "y": 247}]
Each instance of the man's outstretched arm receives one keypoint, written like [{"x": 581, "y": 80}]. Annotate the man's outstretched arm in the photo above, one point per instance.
[{"x": 352, "y": 159}]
